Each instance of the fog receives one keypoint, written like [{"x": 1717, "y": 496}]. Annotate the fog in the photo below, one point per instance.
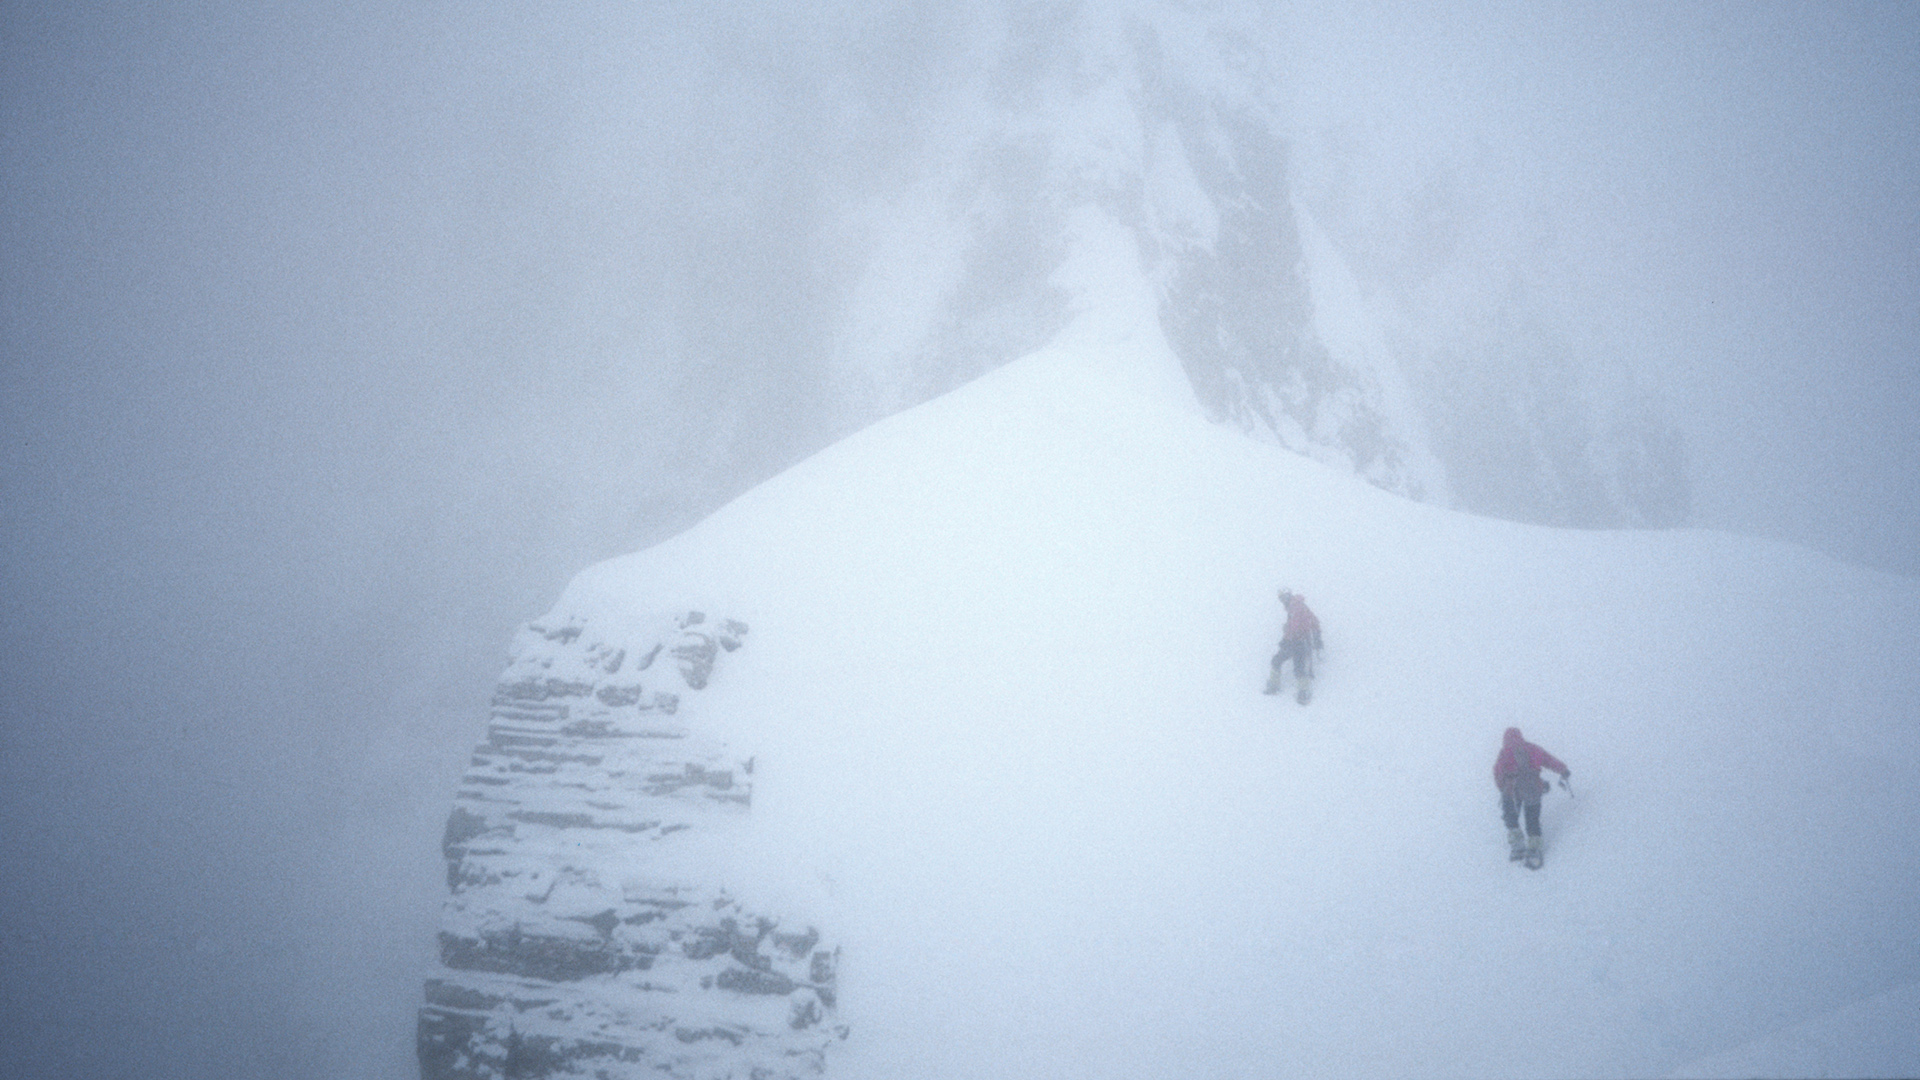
[
  {"x": 1725, "y": 197},
  {"x": 336, "y": 341}
]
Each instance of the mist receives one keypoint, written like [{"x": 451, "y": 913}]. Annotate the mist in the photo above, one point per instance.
[
  {"x": 1720, "y": 199},
  {"x": 336, "y": 341}
]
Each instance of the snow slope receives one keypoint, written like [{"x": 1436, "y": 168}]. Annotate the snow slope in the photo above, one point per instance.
[{"x": 1003, "y": 689}]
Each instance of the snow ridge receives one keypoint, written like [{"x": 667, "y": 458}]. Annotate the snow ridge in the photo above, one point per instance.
[{"x": 1009, "y": 746}]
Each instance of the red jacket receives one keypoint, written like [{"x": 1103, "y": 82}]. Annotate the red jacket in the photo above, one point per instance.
[
  {"x": 1518, "y": 767},
  {"x": 1302, "y": 624}
]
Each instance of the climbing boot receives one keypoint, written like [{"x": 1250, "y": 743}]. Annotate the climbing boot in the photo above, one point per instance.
[{"x": 1516, "y": 845}]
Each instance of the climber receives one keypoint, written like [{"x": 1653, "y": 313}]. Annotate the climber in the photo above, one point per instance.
[
  {"x": 1516, "y": 772},
  {"x": 1300, "y": 641}
]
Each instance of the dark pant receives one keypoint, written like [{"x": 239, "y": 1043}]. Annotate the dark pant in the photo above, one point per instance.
[
  {"x": 1510, "y": 808},
  {"x": 1301, "y": 650}
]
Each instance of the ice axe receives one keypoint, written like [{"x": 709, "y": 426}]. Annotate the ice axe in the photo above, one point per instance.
[{"x": 1566, "y": 787}]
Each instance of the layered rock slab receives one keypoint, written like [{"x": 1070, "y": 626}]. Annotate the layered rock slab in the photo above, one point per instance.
[{"x": 587, "y": 930}]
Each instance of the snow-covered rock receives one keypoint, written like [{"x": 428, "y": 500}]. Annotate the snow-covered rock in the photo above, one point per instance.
[{"x": 589, "y": 932}]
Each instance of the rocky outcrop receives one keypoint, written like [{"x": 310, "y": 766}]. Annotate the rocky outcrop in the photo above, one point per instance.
[{"x": 586, "y": 932}]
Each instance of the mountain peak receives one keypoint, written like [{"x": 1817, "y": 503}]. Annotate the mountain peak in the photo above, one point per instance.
[{"x": 1169, "y": 121}]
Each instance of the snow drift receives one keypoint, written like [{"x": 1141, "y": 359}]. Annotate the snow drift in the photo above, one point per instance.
[{"x": 1003, "y": 696}]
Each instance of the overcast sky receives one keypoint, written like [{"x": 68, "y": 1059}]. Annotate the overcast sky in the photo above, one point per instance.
[{"x": 333, "y": 345}]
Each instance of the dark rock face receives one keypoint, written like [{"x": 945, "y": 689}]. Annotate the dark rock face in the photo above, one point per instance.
[
  {"x": 585, "y": 934},
  {"x": 1239, "y": 312}
]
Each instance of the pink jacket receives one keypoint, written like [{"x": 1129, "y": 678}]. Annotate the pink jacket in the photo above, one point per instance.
[
  {"x": 1302, "y": 623},
  {"x": 1517, "y": 769}
]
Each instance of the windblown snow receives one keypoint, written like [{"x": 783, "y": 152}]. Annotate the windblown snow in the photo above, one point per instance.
[{"x": 1003, "y": 693}]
